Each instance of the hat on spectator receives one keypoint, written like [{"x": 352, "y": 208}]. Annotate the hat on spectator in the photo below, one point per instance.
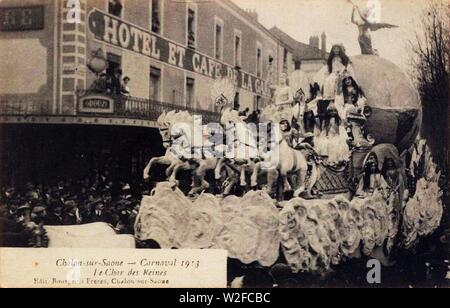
[
  {"x": 69, "y": 204},
  {"x": 95, "y": 202},
  {"x": 10, "y": 192},
  {"x": 32, "y": 195},
  {"x": 38, "y": 209},
  {"x": 122, "y": 203},
  {"x": 24, "y": 206}
]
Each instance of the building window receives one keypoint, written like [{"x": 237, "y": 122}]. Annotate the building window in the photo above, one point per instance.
[
  {"x": 237, "y": 48},
  {"x": 285, "y": 58},
  {"x": 115, "y": 7},
  {"x": 155, "y": 17},
  {"x": 259, "y": 61},
  {"x": 155, "y": 83},
  {"x": 270, "y": 58},
  {"x": 270, "y": 68},
  {"x": 236, "y": 104},
  {"x": 191, "y": 27},
  {"x": 258, "y": 100},
  {"x": 114, "y": 63},
  {"x": 190, "y": 92},
  {"x": 114, "y": 72},
  {"x": 218, "y": 39}
]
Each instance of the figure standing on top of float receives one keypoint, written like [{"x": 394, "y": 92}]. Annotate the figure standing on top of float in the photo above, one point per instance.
[{"x": 366, "y": 23}]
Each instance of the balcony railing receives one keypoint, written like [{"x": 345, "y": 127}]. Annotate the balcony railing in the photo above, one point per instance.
[
  {"x": 124, "y": 107},
  {"x": 23, "y": 107},
  {"x": 134, "y": 107}
]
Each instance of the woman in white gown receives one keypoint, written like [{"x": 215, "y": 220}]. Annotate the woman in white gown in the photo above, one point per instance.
[
  {"x": 337, "y": 146},
  {"x": 283, "y": 93},
  {"x": 331, "y": 141},
  {"x": 338, "y": 65}
]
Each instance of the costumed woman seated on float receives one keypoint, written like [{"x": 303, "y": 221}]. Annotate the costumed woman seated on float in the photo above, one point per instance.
[
  {"x": 331, "y": 134},
  {"x": 351, "y": 97},
  {"x": 371, "y": 179},
  {"x": 333, "y": 113}
]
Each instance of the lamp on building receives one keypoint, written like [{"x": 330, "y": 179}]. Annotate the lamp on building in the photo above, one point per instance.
[{"x": 98, "y": 62}]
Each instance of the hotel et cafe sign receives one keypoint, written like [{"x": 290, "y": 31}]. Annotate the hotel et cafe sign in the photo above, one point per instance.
[{"x": 114, "y": 31}]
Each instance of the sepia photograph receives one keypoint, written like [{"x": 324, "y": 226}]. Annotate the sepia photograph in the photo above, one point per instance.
[{"x": 224, "y": 144}]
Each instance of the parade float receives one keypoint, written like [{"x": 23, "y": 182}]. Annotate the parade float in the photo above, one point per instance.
[
  {"x": 338, "y": 173},
  {"x": 368, "y": 204},
  {"x": 372, "y": 190}
]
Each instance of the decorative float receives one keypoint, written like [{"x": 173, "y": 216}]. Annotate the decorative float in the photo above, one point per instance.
[{"x": 314, "y": 207}]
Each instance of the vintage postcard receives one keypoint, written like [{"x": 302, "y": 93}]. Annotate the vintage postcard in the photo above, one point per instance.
[{"x": 224, "y": 144}]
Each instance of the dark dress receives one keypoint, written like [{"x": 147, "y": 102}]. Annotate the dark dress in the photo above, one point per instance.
[
  {"x": 53, "y": 220},
  {"x": 11, "y": 234},
  {"x": 104, "y": 216},
  {"x": 69, "y": 220}
]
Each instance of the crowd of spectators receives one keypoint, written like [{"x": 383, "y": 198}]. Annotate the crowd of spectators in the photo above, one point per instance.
[{"x": 98, "y": 197}]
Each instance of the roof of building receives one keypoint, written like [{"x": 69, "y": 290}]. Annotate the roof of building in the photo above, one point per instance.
[
  {"x": 250, "y": 18},
  {"x": 300, "y": 50}
]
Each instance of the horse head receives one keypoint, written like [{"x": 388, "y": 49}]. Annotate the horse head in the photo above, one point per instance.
[
  {"x": 163, "y": 125},
  {"x": 165, "y": 122},
  {"x": 161, "y": 119},
  {"x": 229, "y": 116}
]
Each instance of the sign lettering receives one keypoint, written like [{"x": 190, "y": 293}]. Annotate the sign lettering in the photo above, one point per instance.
[
  {"x": 117, "y": 32},
  {"x": 74, "y": 13},
  {"x": 96, "y": 104},
  {"x": 22, "y": 18}
]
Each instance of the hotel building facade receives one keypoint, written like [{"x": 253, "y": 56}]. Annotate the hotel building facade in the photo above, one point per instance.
[{"x": 171, "y": 50}]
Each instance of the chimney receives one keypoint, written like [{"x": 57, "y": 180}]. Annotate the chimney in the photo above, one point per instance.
[
  {"x": 324, "y": 43},
  {"x": 314, "y": 41},
  {"x": 253, "y": 14}
]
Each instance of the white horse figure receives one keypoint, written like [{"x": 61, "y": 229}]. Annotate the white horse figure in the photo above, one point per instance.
[
  {"x": 285, "y": 159},
  {"x": 181, "y": 143},
  {"x": 167, "y": 159},
  {"x": 206, "y": 154},
  {"x": 242, "y": 149},
  {"x": 172, "y": 155}
]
